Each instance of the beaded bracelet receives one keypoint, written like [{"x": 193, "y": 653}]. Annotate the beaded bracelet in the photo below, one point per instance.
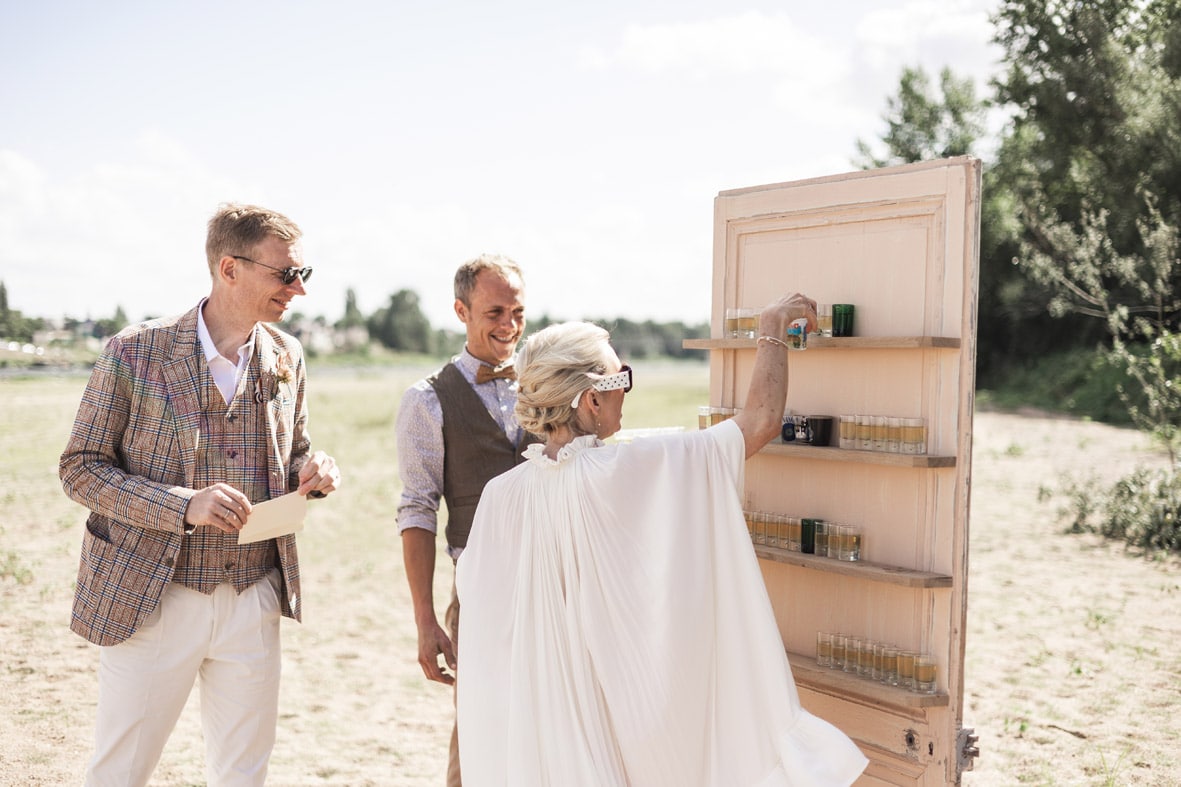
[{"x": 772, "y": 340}]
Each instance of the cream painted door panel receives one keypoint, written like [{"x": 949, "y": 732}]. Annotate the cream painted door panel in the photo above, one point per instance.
[{"x": 901, "y": 244}]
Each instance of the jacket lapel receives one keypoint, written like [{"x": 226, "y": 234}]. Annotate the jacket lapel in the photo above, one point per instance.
[
  {"x": 265, "y": 384},
  {"x": 183, "y": 378}
]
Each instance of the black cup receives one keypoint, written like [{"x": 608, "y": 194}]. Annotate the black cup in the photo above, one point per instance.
[{"x": 820, "y": 429}]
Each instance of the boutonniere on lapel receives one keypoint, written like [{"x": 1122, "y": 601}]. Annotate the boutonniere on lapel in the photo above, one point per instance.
[
  {"x": 268, "y": 386},
  {"x": 283, "y": 369}
]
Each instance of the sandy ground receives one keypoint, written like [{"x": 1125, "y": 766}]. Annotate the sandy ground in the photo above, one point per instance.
[
  {"x": 1073, "y": 675},
  {"x": 1072, "y": 670}
]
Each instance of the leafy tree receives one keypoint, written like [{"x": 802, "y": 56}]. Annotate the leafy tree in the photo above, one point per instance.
[
  {"x": 1135, "y": 297},
  {"x": 352, "y": 313},
  {"x": 112, "y": 325},
  {"x": 5, "y": 328},
  {"x": 401, "y": 325},
  {"x": 1093, "y": 162},
  {"x": 922, "y": 125},
  {"x": 14, "y": 326},
  {"x": 1091, "y": 87},
  {"x": 1094, "y": 166},
  {"x": 1097, "y": 119}
]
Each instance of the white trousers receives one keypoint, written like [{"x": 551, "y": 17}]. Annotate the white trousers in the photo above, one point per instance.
[{"x": 231, "y": 642}]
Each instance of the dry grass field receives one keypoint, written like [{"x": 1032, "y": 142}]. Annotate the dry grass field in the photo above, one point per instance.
[{"x": 1073, "y": 673}]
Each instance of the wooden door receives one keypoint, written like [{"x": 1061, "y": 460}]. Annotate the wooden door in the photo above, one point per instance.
[{"x": 901, "y": 244}]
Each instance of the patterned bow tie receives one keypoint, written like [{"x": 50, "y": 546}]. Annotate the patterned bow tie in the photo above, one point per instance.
[{"x": 486, "y": 373}]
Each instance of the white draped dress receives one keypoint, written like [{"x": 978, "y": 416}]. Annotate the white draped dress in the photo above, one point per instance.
[{"x": 616, "y": 630}]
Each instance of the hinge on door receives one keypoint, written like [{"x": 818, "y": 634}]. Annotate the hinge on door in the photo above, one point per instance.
[{"x": 966, "y": 749}]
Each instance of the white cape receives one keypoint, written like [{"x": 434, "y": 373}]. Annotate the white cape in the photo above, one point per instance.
[{"x": 615, "y": 628}]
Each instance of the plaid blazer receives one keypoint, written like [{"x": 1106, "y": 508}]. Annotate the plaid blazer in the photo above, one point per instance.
[{"x": 131, "y": 460}]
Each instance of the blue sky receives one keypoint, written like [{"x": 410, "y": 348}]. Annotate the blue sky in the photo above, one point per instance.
[{"x": 586, "y": 141}]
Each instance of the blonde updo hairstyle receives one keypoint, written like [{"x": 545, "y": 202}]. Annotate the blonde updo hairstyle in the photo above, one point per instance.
[{"x": 555, "y": 365}]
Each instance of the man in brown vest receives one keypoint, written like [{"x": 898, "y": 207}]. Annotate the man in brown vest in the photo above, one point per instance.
[
  {"x": 187, "y": 422},
  {"x": 455, "y": 430}
]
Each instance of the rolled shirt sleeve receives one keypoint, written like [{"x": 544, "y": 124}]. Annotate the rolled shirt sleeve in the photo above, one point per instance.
[{"x": 419, "y": 431}]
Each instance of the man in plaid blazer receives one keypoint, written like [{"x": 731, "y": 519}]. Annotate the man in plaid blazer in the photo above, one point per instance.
[{"x": 186, "y": 422}]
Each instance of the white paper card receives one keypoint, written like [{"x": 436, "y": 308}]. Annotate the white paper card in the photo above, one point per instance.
[{"x": 276, "y": 517}]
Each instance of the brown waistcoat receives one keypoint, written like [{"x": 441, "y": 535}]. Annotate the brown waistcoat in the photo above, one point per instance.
[{"x": 475, "y": 449}]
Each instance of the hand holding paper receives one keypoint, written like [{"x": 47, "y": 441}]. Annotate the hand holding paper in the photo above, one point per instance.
[{"x": 276, "y": 517}]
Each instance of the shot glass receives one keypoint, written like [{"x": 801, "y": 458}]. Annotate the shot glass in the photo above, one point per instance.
[
  {"x": 823, "y": 649},
  {"x": 925, "y": 674},
  {"x": 889, "y": 674},
  {"x": 824, "y": 319},
  {"x": 894, "y": 435},
  {"x": 906, "y": 669},
  {"x": 878, "y": 663},
  {"x": 730, "y": 323},
  {"x": 808, "y": 536},
  {"x": 853, "y": 654},
  {"x": 797, "y": 335},
  {"x": 840, "y": 645},
  {"x": 820, "y": 538},
  {"x": 793, "y": 533},
  {"x": 786, "y": 531},
  {"x": 750, "y": 523},
  {"x": 848, "y": 431},
  {"x": 835, "y": 534},
  {"x": 850, "y": 544},
  {"x": 914, "y": 436},
  {"x": 865, "y": 432},
  {"x": 703, "y": 416},
  {"x": 748, "y": 323},
  {"x": 879, "y": 433},
  {"x": 773, "y": 521},
  {"x": 760, "y": 528},
  {"x": 865, "y": 659}
]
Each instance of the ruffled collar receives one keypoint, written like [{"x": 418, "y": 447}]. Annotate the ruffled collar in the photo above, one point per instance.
[{"x": 534, "y": 452}]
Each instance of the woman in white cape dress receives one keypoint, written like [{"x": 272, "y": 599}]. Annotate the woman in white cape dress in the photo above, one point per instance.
[{"x": 616, "y": 629}]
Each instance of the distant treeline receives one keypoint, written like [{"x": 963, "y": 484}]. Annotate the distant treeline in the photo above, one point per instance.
[{"x": 401, "y": 325}]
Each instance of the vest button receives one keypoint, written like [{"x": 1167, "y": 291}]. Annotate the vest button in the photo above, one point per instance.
[{"x": 229, "y": 565}]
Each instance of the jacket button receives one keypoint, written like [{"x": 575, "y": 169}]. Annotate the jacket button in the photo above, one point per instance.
[{"x": 169, "y": 562}]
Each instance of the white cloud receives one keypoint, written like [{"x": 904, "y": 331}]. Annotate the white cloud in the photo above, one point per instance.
[
  {"x": 122, "y": 232},
  {"x": 603, "y": 190},
  {"x": 931, "y": 33},
  {"x": 749, "y": 43}
]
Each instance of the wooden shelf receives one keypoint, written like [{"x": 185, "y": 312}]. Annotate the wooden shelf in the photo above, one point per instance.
[
  {"x": 842, "y": 685},
  {"x": 842, "y": 343},
  {"x": 874, "y": 572},
  {"x": 828, "y": 453}
]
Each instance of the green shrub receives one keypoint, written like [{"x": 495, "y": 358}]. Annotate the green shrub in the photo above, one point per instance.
[
  {"x": 1141, "y": 509},
  {"x": 1081, "y": 383}
]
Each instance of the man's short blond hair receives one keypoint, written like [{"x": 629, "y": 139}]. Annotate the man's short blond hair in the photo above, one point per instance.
[
  {"x": 236, "y": 229},
  {"x": 465, "y": 277}
]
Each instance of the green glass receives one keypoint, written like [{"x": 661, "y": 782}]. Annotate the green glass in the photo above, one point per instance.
[{"x": 842, "y": 319}]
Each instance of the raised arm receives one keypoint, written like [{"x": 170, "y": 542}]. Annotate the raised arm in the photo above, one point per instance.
[{"x": 761, "y": 419}]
